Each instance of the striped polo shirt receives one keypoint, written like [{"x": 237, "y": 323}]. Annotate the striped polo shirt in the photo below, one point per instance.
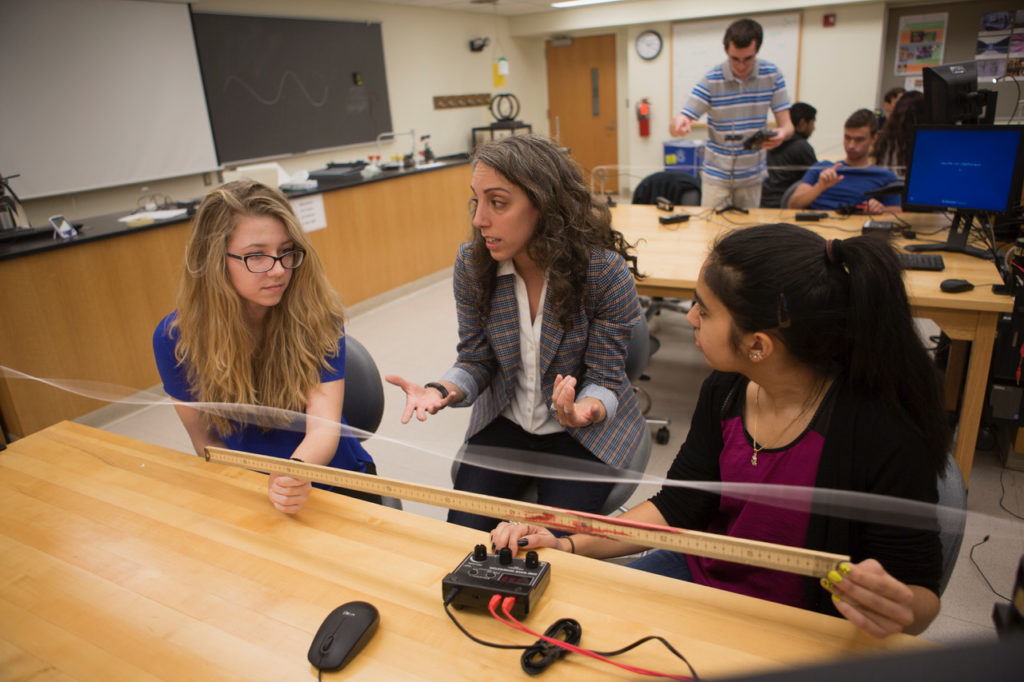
[{"x": 736, "y": 110}]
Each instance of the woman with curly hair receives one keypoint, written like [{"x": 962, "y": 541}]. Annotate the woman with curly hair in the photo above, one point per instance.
[
  {"x": 892, "y": 148},
  {"x": 257, "y": 324},
  {"x": 546, "y": 305}
]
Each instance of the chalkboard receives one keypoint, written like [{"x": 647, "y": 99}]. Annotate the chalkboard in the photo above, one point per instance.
[
  {"x": 697, "y": 47},
  {"x": 277, "y": 86}
]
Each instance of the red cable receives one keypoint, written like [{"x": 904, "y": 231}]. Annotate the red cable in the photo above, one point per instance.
[{"x": 506, "y": 606}]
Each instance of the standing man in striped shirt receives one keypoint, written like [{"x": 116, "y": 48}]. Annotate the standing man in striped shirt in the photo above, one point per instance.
[{"x": 736, "y": 95}]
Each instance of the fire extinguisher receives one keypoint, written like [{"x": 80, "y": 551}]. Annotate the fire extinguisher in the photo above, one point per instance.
[{"x": 643, "y": 117}]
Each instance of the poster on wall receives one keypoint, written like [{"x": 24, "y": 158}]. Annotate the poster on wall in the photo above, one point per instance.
[
  {"x": 1000, "y": 46},
  {"x": 922, "y": 38},
  {"x": 913, "y": 83}
]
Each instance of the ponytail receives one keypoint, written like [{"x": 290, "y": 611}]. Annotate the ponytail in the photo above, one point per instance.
[{"x": 839, "y": 306}]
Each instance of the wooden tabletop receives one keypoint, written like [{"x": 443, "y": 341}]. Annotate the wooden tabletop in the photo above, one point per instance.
[
  {"x": 127, "y": 561},
  {"x": 671, "y": 255}
]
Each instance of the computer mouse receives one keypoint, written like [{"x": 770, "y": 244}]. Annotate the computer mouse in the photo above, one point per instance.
[
  {"x": 343, "y": 634},
  {"x": 955, "y": 286}
]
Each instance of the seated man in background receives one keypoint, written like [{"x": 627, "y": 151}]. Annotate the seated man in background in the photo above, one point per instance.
[
  {"x": 788, "y": 162},
  {"x": 827, "y": 186}
]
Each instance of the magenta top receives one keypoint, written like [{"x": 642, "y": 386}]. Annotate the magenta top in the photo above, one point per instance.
[{"x": 796, "y": 464}]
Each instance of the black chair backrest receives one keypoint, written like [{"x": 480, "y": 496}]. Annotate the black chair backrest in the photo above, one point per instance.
[
  {"x": 364, "y": 391},
  {"x": 784, "y": 199},
  {"x": 682, "y": 189},
  {"x": 638, "y": 352}
]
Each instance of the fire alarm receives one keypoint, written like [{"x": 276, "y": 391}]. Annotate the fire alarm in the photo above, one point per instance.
[{"x": 828, "y": 19}]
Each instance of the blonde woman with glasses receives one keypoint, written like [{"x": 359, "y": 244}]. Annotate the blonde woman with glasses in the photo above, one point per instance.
[{"x": 257, "y": 324}]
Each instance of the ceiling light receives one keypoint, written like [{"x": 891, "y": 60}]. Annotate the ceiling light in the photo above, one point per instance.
[{"x": 578, "y": 3}]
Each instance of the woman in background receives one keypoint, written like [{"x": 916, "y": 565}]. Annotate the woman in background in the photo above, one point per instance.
[
  {"x": 257, "y": 324},
  {"x": 892, "y": 147},
  {"x": 819, "y": 380}
]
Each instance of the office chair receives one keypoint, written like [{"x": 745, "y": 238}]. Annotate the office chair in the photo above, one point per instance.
[
  {"x": 363, "y": 407},
  {"x": 951, "y": 531},
  {"x": 637, "y": 355},
  {"x": 784, "y": 201},
  {"x": 682, "y": 189}
]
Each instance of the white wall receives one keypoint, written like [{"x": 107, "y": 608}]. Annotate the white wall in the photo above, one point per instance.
[
  {"x": 838, "y": 68},
  {"x": 426, "y": 53}
]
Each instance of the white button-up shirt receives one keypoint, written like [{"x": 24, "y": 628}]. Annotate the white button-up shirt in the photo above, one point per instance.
[{"x": 529, "y": 407}]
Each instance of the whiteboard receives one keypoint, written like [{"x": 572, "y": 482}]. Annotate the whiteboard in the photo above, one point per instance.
[
  {"x": 98, "y": 94},
  {"x": 697, "y": 48}
]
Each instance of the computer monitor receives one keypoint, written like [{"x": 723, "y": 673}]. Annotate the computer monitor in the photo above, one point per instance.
[
  {"x": 972, "y": 170},
  {"x": 951, "y": 95}
]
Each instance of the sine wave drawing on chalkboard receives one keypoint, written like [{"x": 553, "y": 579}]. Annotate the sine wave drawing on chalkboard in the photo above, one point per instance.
[
  {"x": 278, "y": 86},
  {"x": 279, "y": 95}
]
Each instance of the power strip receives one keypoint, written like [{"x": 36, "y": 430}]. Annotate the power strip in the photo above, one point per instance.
[
  {"x": 878, "y": 226},
  {"x": 481, "y": 575}
]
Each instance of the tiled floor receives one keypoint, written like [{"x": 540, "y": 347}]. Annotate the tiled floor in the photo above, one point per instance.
[{"x": 413, "y": 334}]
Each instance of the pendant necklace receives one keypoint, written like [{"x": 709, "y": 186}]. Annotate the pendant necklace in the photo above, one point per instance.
[{"x": 758, "y": 447}]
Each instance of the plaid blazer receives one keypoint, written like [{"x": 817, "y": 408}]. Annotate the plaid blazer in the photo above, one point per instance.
[{"x": 593, "y": 351}]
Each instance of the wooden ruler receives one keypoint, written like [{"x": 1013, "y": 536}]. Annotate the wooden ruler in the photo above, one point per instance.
[{"x": 750, "y": 552}]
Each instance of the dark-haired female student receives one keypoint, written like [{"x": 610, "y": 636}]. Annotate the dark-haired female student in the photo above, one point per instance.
[{"x": 819, "y": 380}]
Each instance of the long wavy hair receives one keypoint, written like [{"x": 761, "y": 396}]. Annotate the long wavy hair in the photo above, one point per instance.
[
  {"x": 840, "y": 307},
  {"x": 570, "y": 224},
  {"x": 894, "y": 141},
  {"x": 225, "y": 361}
]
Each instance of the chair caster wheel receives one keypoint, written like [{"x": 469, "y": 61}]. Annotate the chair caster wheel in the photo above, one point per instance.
[{"x": 661, "y": 437}]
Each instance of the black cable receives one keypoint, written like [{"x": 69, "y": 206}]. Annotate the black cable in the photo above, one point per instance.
[
  {"x": 448, "y": 600},
  {"x": 1016, "y": 102},
  {"x": 888, "y": 210},
  {"x": 1002, "y": 494},
  {"x": 628, "y": 647},
  {"x": 983, "y": 577},
  {"x": 541, "y": 655}
]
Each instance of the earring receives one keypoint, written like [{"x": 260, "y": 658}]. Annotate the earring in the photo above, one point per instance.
[{"x": 755, "y": 356}]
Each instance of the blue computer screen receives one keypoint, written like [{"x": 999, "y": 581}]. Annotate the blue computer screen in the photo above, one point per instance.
[{"x": 969, "y": 168}]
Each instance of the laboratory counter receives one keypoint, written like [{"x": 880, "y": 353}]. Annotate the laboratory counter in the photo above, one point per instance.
[{"x": 85, "y": 310}]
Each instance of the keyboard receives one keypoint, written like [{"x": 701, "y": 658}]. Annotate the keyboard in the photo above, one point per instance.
[{"x": 921, "y": 261}]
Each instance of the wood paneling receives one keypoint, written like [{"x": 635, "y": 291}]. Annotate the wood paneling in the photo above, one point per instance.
[{"x": 591, "y": 136}]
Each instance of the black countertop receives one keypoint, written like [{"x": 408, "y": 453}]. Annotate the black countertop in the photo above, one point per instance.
[{"x": 106, "y": 226}]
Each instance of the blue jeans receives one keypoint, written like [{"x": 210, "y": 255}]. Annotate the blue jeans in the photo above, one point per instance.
[
  {"x": 666, "y": 563},
  {"x": 567, "y": 494}
]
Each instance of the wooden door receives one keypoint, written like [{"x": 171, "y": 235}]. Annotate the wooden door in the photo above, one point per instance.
[{"x": 582, "y": 105}]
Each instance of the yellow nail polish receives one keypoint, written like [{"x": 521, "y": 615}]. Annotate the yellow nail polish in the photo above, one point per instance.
[
  {"x": 835, "y": 598},
  {"x": 826, "y": 584},
  {"x": 835, "y": 577},
  {"x": 844, "y": 568}
]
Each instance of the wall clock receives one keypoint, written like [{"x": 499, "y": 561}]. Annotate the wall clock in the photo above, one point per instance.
[{"x": 648, "y": 45}]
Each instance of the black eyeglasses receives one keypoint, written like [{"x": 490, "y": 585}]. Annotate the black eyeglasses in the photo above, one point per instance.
[{"x": 262, "y": 262}]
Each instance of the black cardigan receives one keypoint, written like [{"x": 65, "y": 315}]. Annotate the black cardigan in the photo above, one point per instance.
[{"x": 867, "y": 449}]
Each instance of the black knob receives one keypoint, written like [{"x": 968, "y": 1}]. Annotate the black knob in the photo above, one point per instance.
[
  {"x": 479, "y": 553},
  {"x": 531, "y": 559},
  {"x": 505, "y": 556}
]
